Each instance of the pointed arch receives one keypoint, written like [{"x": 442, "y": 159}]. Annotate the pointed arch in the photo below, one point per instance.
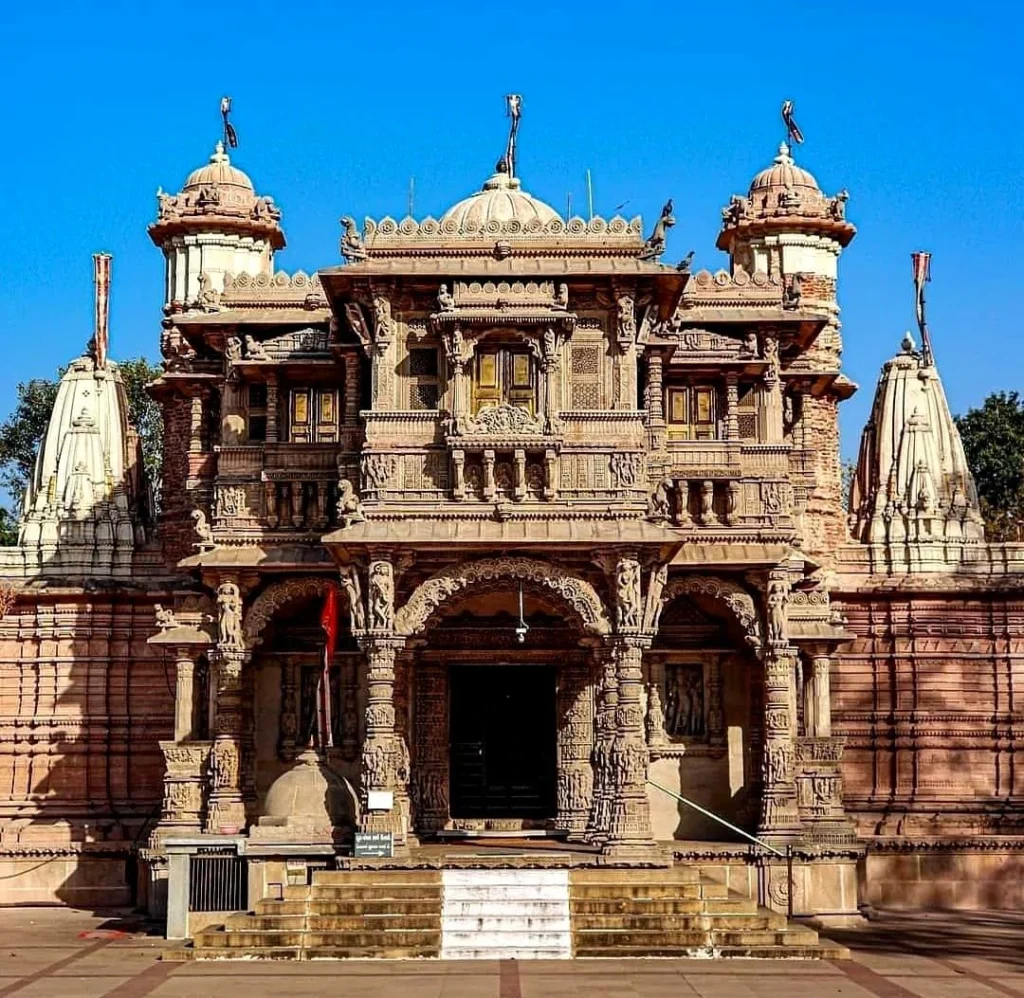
[{"x": 739, "y": 602}]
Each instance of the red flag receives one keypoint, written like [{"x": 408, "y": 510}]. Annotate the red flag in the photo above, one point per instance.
[{"x": 329, "y": 622}]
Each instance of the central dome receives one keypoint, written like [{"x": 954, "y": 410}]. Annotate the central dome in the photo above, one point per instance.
[
  {"x": 784, "y": 173},
  {"x": 218, "y": 172},
  {"x": 501, "y": 200}
]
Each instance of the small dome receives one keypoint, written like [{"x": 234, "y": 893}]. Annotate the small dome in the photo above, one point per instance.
[
  {"x": 784, "y": 173},
  {"x": 219, "y": 171},
  {"x": 502, "y": 199},
  {"x": 310, "y": 795}
]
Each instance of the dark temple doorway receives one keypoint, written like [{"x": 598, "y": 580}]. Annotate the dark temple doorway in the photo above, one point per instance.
[{"x": 503, "y": 741}]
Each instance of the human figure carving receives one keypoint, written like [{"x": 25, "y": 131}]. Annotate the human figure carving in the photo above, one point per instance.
[
  {"x": 233, "y": 349},
  {"x": 382, "y": 597},
  {"x": 349, "y": 578},
  {"x": 445, "y": 299},
  {"x": 229, "y": 606}
]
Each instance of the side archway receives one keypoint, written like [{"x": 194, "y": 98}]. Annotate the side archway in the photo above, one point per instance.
[
  {"x": 739, "y": 602},
  {"x": 276, "y": 596},
  {"x": 437, "y": 590}
]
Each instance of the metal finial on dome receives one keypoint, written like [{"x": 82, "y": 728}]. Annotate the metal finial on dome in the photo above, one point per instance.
[
  {"x": 785, "y": 156},
  {"x": 219, "y": 155},
  {"x": 908, "y": 345}
]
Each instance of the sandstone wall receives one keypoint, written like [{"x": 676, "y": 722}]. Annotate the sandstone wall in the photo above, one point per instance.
[{"x": 83, "y": 703}]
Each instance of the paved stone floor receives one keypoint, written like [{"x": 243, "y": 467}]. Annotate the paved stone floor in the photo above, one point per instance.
[{"x": 68, "y": 954}]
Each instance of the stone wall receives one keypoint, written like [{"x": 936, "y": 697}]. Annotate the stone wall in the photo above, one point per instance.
[
  {"x": 825, "y": 519},
  {"x": 928, "y": 698},
  {"x": 176, "y": 503},
  {"x": 83, "y": 702}
]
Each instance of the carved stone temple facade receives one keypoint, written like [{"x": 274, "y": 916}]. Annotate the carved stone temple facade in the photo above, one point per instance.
[{"x": 577, "y": 515}]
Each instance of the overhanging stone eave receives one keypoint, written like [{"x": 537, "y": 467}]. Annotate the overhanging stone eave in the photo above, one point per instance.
[{"x": 495, "y": 535}]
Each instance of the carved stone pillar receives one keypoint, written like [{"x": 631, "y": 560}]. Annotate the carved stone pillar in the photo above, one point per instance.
[
  {"x": 716, "y": 713},
  {"x": 459, "y": 390},
  {"x": 519, "y": 475},
  {"x": 384, "y": 770},
  {"x": 195, "y": 437},
  {"x": 655, "y": 721},
  {"x": 604, "y": 738},
  {"x": 430, "y": 783},
  {"x": 184, "y": 696},
  {"x": 458, "y": 475},
  {"x": 656, "y": 400},
  {"x": 226, "y": 813},
  {"x": 732, "y": 421},
  {"x": 818, "y": 701},
  {"x": 779, "y": 816},
  {"x": 629, "y": 824},
  {"x": 489, "y": 486},
  {"x": 404, "y": 661},
  {"x": 184, "y": 782},
  {"x": 575, "y": 787},
  {"x": 769, "y": 394}
]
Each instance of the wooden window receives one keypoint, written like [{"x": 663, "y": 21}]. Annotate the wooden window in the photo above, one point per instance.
[
  {"x": 257, "y": 413},
  {"x": 313, "y": 415},
  {"x": 504, "y": 375},
  {"x": 693, "y": 412},
  {"x": 424, "y": 378}
]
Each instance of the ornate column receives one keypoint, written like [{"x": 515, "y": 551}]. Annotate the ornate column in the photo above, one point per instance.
[
  {"x": 385, "y": 760},
  {"x": 289, "y": 718},
  {"x": 549, "y": 370},
  {"x": 818, "y": 701},
  {"x": 226, "y": 812},
  {"x": 656, "y": 400},
  {"x": 184, "y": 697},
  {"x": 770, "y": 393},
  {"x": 779, "y": 817},
  {"x": 272, "y": 408},
  {"x": 732, "y": 422},
  {"x": 604, "y": 738},
  {"x": 195, "y": 434},
  {"x": 575, "y": 787},
  {"x": 629, "y": 823}
]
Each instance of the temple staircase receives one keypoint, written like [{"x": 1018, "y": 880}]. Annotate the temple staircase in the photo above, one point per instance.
[{"x": 510, "y": 912}]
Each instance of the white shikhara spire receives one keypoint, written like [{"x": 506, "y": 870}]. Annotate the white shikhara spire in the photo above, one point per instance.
[
  {"x": 913, "y": 498},
  {"x": 86, "y": 505}
]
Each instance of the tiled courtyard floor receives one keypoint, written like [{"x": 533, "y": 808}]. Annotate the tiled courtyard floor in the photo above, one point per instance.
[{"x": 67, "y": 954}]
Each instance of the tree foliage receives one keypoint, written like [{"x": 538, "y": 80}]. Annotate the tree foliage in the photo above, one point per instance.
[
  {"x": 993, "y": 439},
  {"x": 23, "y": 429}
]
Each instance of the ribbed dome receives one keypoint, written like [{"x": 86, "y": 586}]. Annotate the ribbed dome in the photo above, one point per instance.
[
  {"x": 784, "y": 173},
  {"x": 501, "y": 200},
  {"x": 220, "y": 172}
]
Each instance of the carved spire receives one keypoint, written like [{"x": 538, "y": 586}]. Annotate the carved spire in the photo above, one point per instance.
[{"x": 913, "y": 497}]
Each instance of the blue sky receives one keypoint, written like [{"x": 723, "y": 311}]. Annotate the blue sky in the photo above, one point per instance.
[{"x": 915, "y": 109}]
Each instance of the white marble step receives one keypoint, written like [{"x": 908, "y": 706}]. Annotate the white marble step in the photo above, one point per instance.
[
  {"x": 505, "y": 914},
  {"x": 506, "y": 892},
  {"x": 500, "y": 923},
  {"x": 503, "y": 908}
]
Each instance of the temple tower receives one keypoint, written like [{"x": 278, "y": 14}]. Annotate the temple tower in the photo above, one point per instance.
[{"x": 217, "y": 225}]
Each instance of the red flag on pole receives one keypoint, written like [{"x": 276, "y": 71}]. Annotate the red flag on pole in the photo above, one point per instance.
[{"x": 329, "y": 623}]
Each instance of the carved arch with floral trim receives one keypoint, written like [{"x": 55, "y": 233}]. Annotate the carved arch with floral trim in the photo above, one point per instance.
[
  {"x": 440, "y": 588},
  {"x": 277, "y": 595},
  {"x": 739, "y": 602}
]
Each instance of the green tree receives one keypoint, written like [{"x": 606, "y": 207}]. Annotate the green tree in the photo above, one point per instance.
[
  {"x": 993, "y": 439},
  {"x": 23, "y": 429}
]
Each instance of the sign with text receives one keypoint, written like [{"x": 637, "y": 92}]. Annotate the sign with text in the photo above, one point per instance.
[{"x": 379, "y": 844}]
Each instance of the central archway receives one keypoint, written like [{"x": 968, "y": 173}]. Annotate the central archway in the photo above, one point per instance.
[
  {"x": 503, "y": 728},
  {"x": 431, "y": 594}
]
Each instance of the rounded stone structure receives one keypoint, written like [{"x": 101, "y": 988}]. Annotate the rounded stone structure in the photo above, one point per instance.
[{"x": 308, "y": 802}]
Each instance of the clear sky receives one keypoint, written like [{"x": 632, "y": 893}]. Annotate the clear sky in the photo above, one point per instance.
[{"x": 914, "y": 108}]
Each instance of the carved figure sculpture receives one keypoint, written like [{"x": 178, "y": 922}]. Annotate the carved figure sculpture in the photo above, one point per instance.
[
  {"x": 793, "y": 293},
  {"x": 627, "y": 594},
  {"x": 655, "y": 245},
  {"x": 659, "y": 507},
  {"x": 357, "y": 322},
  {"x": 209, "y": 296},
  {"x": 382, "y": 597},
  {"x": 776, "y": 602},
  {"x": 445, "y": 299},
  {"x": 176, "y": 350},
  {"x": 349, "y": 579},
  {"x": 204, "y": 533},
  {"x": 233, "y": 349},
  {"x": 352, "y": 246},
  {"x": 350, "y": 509},
  {"x": 229, "y": 609},
  {"x": 165, "y": 618},
  {"x": 684, "y": 709},
  {"x": 254, "y": 349},
  {"x": 562, "y": 297}
]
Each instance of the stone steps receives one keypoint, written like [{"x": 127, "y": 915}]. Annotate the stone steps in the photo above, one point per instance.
[{"x": 508, "y": 913}]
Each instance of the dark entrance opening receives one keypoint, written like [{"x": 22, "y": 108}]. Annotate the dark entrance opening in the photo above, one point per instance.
[{"x": 503, "y": 735}]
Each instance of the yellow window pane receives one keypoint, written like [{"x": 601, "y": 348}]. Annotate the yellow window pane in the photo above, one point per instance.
[
  {"x": 704, "y": 405},
  {"x": 327, "y": 407},
  {"x": 487, "y": 370},
  {"x": 521, "y": 370},
  {"x": 677, "y": 407},
  {"x": 300, "y": 407}
]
